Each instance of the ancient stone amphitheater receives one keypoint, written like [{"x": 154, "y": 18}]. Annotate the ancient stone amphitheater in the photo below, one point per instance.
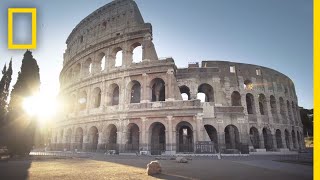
[{"x": 116, "y": 104}]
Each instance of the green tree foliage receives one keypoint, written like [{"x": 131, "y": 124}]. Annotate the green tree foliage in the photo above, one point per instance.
[
  {"x": 21, "y": 127},
  {"x": 307, "y": 121},
  {"x": 4, "y": 91}
]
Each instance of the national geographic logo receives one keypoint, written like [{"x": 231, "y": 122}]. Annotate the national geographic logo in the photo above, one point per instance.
[{"x": 33, "y": 12}]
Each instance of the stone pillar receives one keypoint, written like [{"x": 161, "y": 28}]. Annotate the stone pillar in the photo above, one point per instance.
[
  {"x": 290, "y": 141},
  {"x": 169, "y": 137},
  {"x": 110, "y": 60},
  {"x": 144, "y": 142},
  {"x": 100, "y": 142},
  {"x": 169, "y": 93},
  {"x": 274, "y": 141},
  {"x": 119, "y": 141},
  {"x": 261, "y": 138},
  {"x": 145, "y": 89},
  {"x": 126, "y": 58},
  {"x": 85, "y": 144},
  {"x": 199, "y": 127}
]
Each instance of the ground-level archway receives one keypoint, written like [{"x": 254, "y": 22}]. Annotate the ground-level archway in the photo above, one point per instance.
[
  {"x": 254, "y": 137},
  {"x": 79, "y": 139},
  {"x": 157, "y": 138},
  {"x": 213, "y": 135},
  {"x": 93, "y": 137},
  {"x": 133, "y": 134},
  {"x": 184, "y": 137},
  {"x": 279, "y": 139},
  {"x": 232, "y": 139},
  {"x": 267, "y": 138}
]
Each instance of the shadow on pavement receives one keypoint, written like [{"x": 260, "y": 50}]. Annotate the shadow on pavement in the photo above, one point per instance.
[{"x": 14, "y": 169}]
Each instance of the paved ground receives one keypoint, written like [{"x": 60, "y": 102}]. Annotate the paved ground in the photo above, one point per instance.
[{"x": 133, "y": 167}]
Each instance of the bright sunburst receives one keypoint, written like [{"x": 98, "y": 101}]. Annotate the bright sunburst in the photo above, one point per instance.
[{"x": 41, "y": 105}]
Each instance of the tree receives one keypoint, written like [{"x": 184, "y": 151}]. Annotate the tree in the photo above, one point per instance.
[
  {"x": 21, "y": 126},
  {"x": 4, "y": 91},
  {"x": 307, "y": 121}
]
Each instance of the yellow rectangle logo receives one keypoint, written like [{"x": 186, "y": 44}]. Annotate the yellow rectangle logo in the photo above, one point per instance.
[{"x": 33, "y": 12}]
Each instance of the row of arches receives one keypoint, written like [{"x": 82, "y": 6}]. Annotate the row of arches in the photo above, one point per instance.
[
  {"x": 205, "y": 93},
  {"x": 103, "y": 61},
  {"x": 133, "y": 94},
  {"x": 292, "y": 140},
  {"x": 157, "y": 134},
  {"x": 291, "y": 109}
]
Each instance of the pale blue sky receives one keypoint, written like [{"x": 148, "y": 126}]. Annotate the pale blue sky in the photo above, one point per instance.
[{"x": 272, "y": 33}]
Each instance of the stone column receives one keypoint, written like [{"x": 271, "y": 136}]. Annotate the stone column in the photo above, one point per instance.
[
  {"x": 169, "y": 87},
  {"x": 100, "y": 142},
  {"x": 169, "y": 136},
  {"x": 127, "y": 58},
  {"x": 145, "y": 89},
  {"x": 283, "y": 139},
  {"x": 144, "y": 142},
  {"x": 261, "y": 138},
  {"x": 85, "y": 144},
  {"x": 119, "y": 141}
]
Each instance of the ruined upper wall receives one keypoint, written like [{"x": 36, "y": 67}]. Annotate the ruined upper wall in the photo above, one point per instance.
[
  {"x": 264, "y": 79},
  {"x": 118, "y": 18}
]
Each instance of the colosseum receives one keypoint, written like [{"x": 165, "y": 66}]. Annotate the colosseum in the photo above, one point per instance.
[{"x": 116, "y": 104}]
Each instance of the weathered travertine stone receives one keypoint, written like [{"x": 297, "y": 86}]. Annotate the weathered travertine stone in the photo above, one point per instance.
[
  {"x": 151, "y": 107},
  {"x": 181, "y": 160},
  {"x": 153, "y": 168}
]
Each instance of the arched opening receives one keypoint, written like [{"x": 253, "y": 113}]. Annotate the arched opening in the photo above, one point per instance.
[
  {"x": 263, "y": 104},
  {"x": 132, "y": 144},
  {"x": 208, "y": 91},
  {"x": 213, "y": 136},
  {"x": 158, "y": 89},
  {"x": 293, "y": 134},
  {"x": 273, "y": 106},
  {"x": 299, "y": 142},
  {"x": 247, "y": 85},
  {"x": 254, "y": 137},
  {"x": 185, "y": 92},
  {"x": 82, "y": 100},
  {"x": 102, "y": 61},
  {"x": 232, "y": 139},
  {"x": 71, "y": 103},
  {"x": 115, "y": 92},
  {"x": 111, "y": 137},
  {"x": 235, "y": 98},
  {"x": 77, "y": 71},
  {"x": 282, "y": 109},
  {"x": 70, "y": 75},
  {"x": 137, "y": 53},
  {"x": 267, "y": 138},
  {"x": 250, "y": 104},
  {"x": 201, "y": 97},
  {"x": 93, "y": 137},
  {"x": 96, "y": 97},
  {"x": 79, "y": 138},
  {"x": 184, "y": 136},
  {"x": 158, "y": 138},
  {"x": 118, "y": 57},
  {"x": 87, "y": 66},
  {"x": 279, "y": 139},
  {"x": 135, "y": 92},
  {"x": 68, "y": 140},
  {"x": 289, "y": 111},
  {"x": 287, "y": 138}
]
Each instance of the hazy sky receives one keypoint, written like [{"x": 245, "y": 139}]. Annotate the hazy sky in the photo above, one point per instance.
[{"x": 272, "y": 33}]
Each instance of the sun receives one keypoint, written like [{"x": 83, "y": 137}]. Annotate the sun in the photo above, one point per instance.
[{"x": 42, "y": 106}]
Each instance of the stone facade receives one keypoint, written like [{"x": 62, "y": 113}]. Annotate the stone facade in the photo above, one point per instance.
[{"x": 152, "y": 105}]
